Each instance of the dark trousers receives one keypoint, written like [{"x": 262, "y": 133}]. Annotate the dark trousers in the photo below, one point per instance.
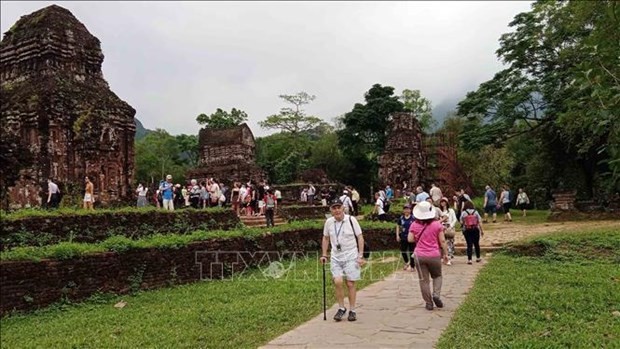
[
  {"x": 472, "y": 237},
  {"x": 269, "y": 216},
  {"x": 355, "y": 209},
  {"x": 54, "y": 201},
  {"x": 406, "y": 249},
  {"x": 194, "y": 201}
]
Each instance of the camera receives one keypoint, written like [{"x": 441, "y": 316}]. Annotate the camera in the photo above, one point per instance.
[{"x": 338, "y": 247}]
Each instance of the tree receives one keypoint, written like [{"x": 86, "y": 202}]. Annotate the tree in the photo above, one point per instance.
[
  {"x": 223, "y": 119},
  {"x": 188, "y": 147},
  {"x": 363, "y": 135},
  {"x": 157, "y": 154},
  {"x": 561, "y": 86},
  {"x": 421, "y": 107},
  {"x": 293, "y": 120}
]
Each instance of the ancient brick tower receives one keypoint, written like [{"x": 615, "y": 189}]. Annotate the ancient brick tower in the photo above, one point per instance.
[
  {"x": 227, "y": 155},
  {"x": 403, "y": 158},
  {"x": 59, "y": 117}
]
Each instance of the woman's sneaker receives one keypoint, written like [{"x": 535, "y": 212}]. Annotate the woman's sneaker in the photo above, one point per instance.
[
  {"x": 339, "y": 314},
  {"x": 429, "y": 306},
  {"x": 352, "y": 316},
  {"x": 438, "y": 302}
]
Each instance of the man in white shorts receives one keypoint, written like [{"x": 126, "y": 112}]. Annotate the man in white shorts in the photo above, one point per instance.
[{"x": 344, "y": 234}]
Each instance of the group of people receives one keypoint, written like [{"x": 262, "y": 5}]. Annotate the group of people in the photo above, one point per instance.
[
  {"x": 425, "y": 230},
  {"x": 248, "y": 199},
  {"x": 329, "y": 195}
]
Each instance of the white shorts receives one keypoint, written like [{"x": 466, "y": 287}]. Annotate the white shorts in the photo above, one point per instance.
[
  {"x": 88, "y": 198},
  {"x": 261, "y": 204},
  {"x": 349, "y": 269}
]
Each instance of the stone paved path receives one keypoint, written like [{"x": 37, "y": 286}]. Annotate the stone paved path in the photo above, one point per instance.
[{"x": 391, "y": 314}]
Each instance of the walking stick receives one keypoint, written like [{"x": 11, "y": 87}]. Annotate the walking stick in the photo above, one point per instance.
[{"x": 324, "y": 301}]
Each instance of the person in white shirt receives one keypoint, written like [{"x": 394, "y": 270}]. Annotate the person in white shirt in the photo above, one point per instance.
[
  {"x": 346, "y": 202},
  {"x": 435, "y": 194},
  {"x": 378, "y": 209},
  {"x": 53, "y": 197},
  {"x": 448, "y": 219},
  {"x": 421, "y": 195},
  {"x": 142, "y": 190},
  {"x": 344, "y": 234}
]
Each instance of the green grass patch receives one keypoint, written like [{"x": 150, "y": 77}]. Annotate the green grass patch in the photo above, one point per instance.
[
  {"x": 560, "y": 293},
  {"x": 67, "y": 250},
  {"x": 65, "y": 211},
  {"x": 239, "y": 313}
]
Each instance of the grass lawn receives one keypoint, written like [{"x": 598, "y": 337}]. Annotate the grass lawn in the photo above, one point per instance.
[
  {"x": 561, "y": 294},
  {"x": 239, "y": 313}
]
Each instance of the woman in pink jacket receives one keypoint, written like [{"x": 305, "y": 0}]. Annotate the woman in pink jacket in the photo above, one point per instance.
[{"x": 427, "y": 233}]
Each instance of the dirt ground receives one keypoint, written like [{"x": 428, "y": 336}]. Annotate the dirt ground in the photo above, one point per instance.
[{"x": 497, "y": 234}]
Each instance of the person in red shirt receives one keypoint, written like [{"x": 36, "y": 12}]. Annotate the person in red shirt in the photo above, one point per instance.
[{"x": 271, "y": 204}]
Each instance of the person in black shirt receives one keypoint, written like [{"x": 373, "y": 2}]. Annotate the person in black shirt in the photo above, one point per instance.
[{"x": 402, "y": 231}]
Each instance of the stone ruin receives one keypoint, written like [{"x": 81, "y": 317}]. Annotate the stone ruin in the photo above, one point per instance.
[
  {"x": 412, "y": 157},
  {"x": 227, "y": 155},
  {"x": 403, "y": 158},
  {"x": 59, "y": 117}
]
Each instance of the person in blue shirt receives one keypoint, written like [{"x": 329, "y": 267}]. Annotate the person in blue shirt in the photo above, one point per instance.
[
  {"x": 166, "y": 188},
  {"x": 490, "y": 204},
  {"x": 402, "y": 230},
  {"x": 389, "y": 193},
  {"x": 421, "y": 195}
]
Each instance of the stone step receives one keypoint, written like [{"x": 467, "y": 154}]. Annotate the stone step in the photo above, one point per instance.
[{"x": 260, "y": 219}]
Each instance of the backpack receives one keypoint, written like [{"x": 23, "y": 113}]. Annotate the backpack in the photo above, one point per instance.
[
  {"x": 470, "y": 221},
  {"x": 386, "y": 205},
  {"x": 270, "y": 201}
]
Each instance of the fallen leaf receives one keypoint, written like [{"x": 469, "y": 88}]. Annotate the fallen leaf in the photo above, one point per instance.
[
  {"x": 120, "y": 305},
  {"x": 615, "y": 313}
]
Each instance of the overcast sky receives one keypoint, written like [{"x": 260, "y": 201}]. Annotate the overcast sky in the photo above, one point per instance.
[{"x": 173, "y": 61}]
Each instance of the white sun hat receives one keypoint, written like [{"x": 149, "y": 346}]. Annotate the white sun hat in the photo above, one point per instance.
[{"x": 424, "y": 210}]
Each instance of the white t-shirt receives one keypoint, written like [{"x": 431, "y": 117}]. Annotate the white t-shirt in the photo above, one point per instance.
[
  {"x": 344, "y": 233},
  {"x": 346, "y": 201},
  {"x": 278, "y": 194},
  {"x": 379, "y": 203},
  {"x": 142, "y": 191},
  {"x": 52, "y": 187}
]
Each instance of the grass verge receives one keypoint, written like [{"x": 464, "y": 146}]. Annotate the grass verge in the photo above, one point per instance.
[
  {"x": 556, "y": 291},
  {"x": 239, "y": 313},
  {"x": 119, "y": 243}
]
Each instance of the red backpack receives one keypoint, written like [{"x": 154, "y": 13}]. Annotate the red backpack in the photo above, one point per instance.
[{"x": 470, "y": 220}]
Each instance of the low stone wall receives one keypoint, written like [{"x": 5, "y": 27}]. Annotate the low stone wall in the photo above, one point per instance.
[
  {"x": 28, "y": 285},
  {"x": 90, "y": 228},
  {"x": 297, "y": 213}
]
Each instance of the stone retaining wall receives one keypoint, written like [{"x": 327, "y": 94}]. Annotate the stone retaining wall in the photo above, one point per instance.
[
  {"x": 90, "y": 228},
  {"x": 28, "y": 285}
]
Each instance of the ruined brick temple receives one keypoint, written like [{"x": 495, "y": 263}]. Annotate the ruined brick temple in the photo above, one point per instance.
[
  {"x": 412, "y": 157},
  {"x": 59, "y": 117},
  {"x": 227, "y": 155}
]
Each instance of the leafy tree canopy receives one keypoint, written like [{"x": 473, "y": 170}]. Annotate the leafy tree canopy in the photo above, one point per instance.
[
  {"x": 420, "y": 107},
  {"x": 222, "y": 118},
  {"x": 293, "y": 119}
]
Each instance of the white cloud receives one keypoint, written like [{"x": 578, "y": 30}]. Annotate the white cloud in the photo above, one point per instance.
[{"x": 172, "y": 61}]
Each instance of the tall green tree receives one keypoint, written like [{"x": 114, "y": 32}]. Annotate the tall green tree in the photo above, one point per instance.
[
  {"x": 223, "y": 119},
  {"x": 293, "y": 119},
  {"x": 157, "y": 155},
  {"x": 560, "y": 86},
  {"x": 188, "y": 147},
  {"x": 421, "y": 107},
  {"x": 363, "y": 135}
]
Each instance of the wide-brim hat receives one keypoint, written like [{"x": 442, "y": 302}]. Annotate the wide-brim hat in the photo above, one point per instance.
[{"x": 424, "y": 210}]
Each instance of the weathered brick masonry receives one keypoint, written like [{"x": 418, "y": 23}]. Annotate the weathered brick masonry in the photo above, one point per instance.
[
  {"x": 28, "y": 285},
  {"x": 33, "y": 231}
]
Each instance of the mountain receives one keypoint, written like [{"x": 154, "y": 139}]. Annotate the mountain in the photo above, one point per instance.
[{"x": 141, "y": 132}]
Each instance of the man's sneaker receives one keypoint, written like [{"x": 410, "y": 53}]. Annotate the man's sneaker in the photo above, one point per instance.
[
  {"x": 352, "y": 316},
  {"x": 429, "y": 306},
  {"x": 438, "y": 302},
  {"x": 449, "y": 262},
  {"x": 339, "y": 314},
  {"x": 469, "y": 261},
  {"x": 478, "y": 260}
]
